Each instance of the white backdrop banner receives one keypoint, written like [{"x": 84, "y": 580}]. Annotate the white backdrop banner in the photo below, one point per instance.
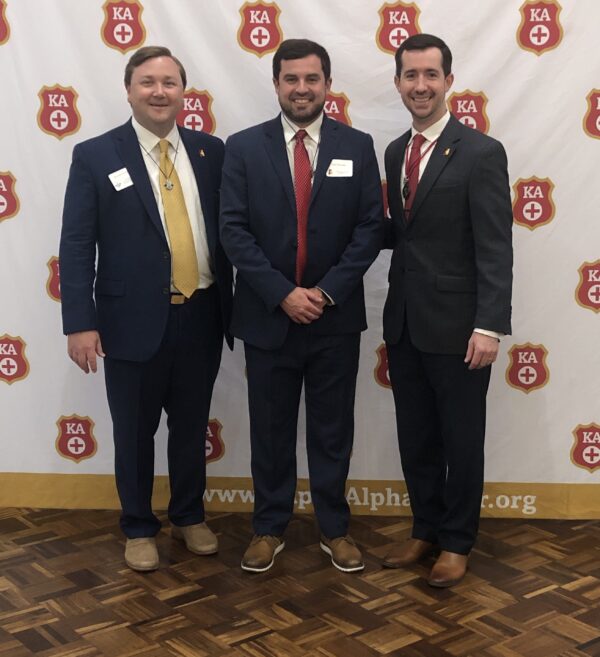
[{"x": 526, "y": 72}]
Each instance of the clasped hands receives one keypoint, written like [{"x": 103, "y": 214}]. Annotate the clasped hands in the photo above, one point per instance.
[{"x": 304, "y": 305}]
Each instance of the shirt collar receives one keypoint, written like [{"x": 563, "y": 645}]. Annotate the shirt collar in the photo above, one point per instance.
[
  {"x": 434, "y": 131},
  {"x": 290, "y": 128},
  {"x": 149, "y": 140}
]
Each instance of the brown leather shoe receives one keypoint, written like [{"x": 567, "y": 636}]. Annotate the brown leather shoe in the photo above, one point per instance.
[
  {"x": 199, "y": 539},
  {"x": 407, "y": 553},
  {"x": 345, "y": 556},
  {"x": 261, "y": 553},
  {"x": 141, "y": 554},
  {"x": 448, "y": 570}
]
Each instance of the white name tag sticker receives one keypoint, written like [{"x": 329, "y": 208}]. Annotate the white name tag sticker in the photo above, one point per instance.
[
  {"x": 339, "y": 169},
  {"x": 120, "y": 179}
]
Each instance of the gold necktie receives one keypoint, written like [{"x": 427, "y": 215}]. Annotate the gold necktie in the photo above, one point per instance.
[{"x": 183, "y": 251}]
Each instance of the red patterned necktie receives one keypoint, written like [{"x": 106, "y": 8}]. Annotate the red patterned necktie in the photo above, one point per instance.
[
  {"x": 302, "y": 187},
  {"x": 411, "y": 174}
]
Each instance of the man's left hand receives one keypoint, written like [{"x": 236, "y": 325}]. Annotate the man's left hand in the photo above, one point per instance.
[{"x": 482, "y": 350}]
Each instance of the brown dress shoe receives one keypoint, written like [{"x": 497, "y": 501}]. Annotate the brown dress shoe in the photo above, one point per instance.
[
  {"x": 199, "y": 539},
  {"x": 448, "y": 570},
  {"x": 261, "y": 553},
  {"x": 141, "y": 554},
  {"x": 345, "y": 556},
  {"x": 407, "y": 553}
]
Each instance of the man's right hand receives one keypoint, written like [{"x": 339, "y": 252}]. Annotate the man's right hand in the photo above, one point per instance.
[
  {"x": 83, "y": 347},
  {"x": 303, "y": 306}
]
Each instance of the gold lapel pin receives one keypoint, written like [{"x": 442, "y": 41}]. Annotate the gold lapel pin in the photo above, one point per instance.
[
  {"x": 201, "y": 152},
  {"x": 447, "y": 152}
]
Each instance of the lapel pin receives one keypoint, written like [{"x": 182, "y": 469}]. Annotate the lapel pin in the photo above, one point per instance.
[
  {"x": 447, "y": 152},
  {"x": 201, "y": 152}
]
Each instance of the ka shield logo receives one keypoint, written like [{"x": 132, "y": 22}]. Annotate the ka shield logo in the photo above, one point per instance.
[
  {"x": 122, "y": 28},
  {"x": 14, "y": 365},
  {"x": 53, "y": 281},
  {"x": 533, "y": 205},
  {"x": 591, "y": 120},
  {"x": 527, "y": 368},
  {"x": 397, "y": 22},
  {"x": 4, "y": 25},
  {"x": 469, "y": 108},
  {"x": 75, "y": 439},
  {"x": 259, "y": 31},
  {"x": 381, "y": 372},
  {"x": 215, "y": 447},
  {"x": 587, "y": 293},
  {"x": 585, "y": 452},
  {"x": 58, "y": 114},
  {"x": 540, "y": 29},
  {"x": 197, "y": 111},
  {"x": 336, "y": 107},
  {"x": 9, "y": 201}
]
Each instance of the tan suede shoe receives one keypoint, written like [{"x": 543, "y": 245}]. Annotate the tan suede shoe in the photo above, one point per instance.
[
  {"x": 261, "y": 553},
  {"x": 407, "y": 553},
  {"x": 141, "y": 554},
  {"x": 448, "y": 570},
  {"x": 198, "y": 539},
  {"x": 345, "y": 556}
]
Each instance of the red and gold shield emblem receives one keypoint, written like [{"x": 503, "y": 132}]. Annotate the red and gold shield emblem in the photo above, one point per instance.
[
  {"x": 58, "y": 114},
  {"x": 53, "y": 282},
  {"x": 75, "y": 439},
  {"x": 4, "y": 25},
  {"x": 397, "y": 22},
  {"x": 197, "y": 111},
  {"x": 336, "y": 107},
  {"x": 259, "y": 31},
  {"x": 533, "y": 205},
  {"x": 9, "y": 201},
  {"x": 386, "y": 207},
  {"x": 381, "y": 371},
  {"x": 591, "y": 120},
  {"x": 469, "y": 108},
  {"x": 215, "y": 447},
  {"x": 585, "y": 452},
  {"x": 587, "y": 293},
  {"x": 540, "y": 29},
  {"x": 14, "y": 365},
  {"x": 527, "y": 368},
  {"x": 122, "y": 28}
]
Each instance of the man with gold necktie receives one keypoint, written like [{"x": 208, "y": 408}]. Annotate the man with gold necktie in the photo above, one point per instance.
[
  {"x": 301, "y": 220},
  {"x": 155, "y": 305}
]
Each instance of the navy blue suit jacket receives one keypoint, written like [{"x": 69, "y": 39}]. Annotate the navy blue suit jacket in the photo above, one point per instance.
[
  {"x": 451, "y": 268},
  {"x": 126, "y": 295},
  {"x": 259, "y": 229}
]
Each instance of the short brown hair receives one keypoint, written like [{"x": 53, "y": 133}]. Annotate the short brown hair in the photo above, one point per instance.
[{"x": 150, "y": 52}]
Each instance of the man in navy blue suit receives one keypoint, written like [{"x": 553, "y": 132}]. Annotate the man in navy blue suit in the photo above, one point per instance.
[
  {"x": 449, "y": 302},
  {"x": 301, "y": 220},
  {"x": 143, "y": 197}
]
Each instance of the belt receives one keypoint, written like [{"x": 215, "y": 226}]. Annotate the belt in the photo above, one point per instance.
[{"x": 177, "y": 298}]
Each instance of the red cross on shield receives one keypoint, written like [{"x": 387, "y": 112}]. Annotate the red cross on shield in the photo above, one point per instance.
[
  {"x": 58, "y": 114},
  {"x": 585, "y": 452},
  {"x": 75, "y": 440},
  {"x": 123, "y": 28},
  {"x": 540, "y": 29},
  {"x": 259, "y": 31},
  {"x": 527, "y": 369},
  {"x": 397, "y": 22}
]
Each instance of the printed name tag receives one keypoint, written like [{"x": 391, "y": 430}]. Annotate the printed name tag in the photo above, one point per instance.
[
  {"x": 120, "y": 179},
  {"x": 339, "y": 169}
]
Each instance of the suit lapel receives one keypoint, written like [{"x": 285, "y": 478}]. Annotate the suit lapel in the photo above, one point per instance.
[
  {"x": 327, "y": 149},
  {"x": 129, "y": 149},
  {"x": 277, "y": 152},
  {"x": 201, "y": 166},
  {"x": 440, "y": 156},
  {"x": 395, "y": 182}
]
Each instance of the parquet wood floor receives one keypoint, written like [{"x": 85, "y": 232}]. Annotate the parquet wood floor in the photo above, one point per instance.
[{"x": 533, "y": 590}]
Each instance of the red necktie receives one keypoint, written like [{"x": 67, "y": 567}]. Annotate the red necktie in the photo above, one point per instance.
[
  {"x": 411, "y": 173},
  {"x": 302, "y": 187}
]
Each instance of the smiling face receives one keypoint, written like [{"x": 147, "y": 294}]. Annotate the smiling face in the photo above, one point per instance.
[
  {"x": 156, "y": 94},
  {"x": 301, "y": 89},
  {"x": 423, "y": 86}
]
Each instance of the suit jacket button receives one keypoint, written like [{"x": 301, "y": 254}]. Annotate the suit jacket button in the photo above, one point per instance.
[
  {"x": 166, "y": 255},
  {"x": 165, "y": 290}
]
